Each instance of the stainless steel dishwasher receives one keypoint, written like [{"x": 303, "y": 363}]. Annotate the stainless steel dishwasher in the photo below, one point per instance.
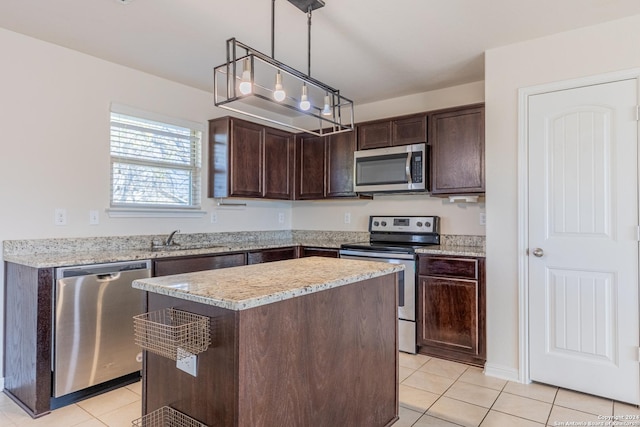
[{"x": 93, "y": 339}]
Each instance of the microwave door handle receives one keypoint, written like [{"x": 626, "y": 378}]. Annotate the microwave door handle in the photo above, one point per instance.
[{"x": 407, "y": 168}]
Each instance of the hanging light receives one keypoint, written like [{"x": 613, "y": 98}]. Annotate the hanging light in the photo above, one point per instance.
[
  {"x": 304, "y": 99},
  {"x": 279, "y": 94},
  {"x": 244, "y": 84},
  {"x": 326, "y": 110}
]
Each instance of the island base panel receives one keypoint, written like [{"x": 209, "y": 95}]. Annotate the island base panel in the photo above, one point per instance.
[{"x": 323, "y": 359}]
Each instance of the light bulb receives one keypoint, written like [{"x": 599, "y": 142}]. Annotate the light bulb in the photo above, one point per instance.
[
  {"x": 304, "y": 101},
  {"x": 245, "y": 85},
  {"x": 326, "y": 111},
  {"x": 279, "y": 93}
]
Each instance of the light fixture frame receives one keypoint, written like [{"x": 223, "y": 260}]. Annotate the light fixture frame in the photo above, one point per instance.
[{"x": 227, "y": 94}]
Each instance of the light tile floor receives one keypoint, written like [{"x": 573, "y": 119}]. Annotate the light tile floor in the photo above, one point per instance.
[{"x": 433, "y": 392}]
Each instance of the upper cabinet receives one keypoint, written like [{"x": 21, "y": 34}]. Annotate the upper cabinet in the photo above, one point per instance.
[
  {"x": 389, "y": 132},
  {"x": 310, "y": 169},
  {"x": 249, "y": 160},
  {"x": 456, "y": 137},
  {"x": 325, "y": 166}
]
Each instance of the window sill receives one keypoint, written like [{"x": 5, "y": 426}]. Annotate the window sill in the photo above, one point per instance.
[{"x": 154, "y": 213}]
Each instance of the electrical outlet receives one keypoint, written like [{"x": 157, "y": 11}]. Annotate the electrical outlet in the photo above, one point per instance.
[
  {"x": 214, "y": 217},
  {"x": 347, "y": 217},
  {"x": 94, "y": 217},
  {"x": 281, "y": 218},
  {"x": 187, "y": 362},
  {"x": 60, "y": 216},
  {"x": 483, "y": 218}
]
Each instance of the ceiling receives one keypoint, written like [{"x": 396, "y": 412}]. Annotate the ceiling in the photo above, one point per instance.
[{"x": 370, "y": 50}]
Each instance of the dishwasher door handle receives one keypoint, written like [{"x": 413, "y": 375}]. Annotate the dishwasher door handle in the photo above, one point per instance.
[{"x": 107, "y": 277}]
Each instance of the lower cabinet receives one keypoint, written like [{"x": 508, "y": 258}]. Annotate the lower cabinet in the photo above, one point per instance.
[
  {"x": 189, "y": 264},
  {"x": 451, "y": 308}
]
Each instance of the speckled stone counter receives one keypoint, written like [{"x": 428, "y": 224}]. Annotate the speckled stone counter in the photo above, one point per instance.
[
  {"x": 240, "y": 288},
  {"x": 47, "y": 253},
  {"x": 471, "y": 251}
]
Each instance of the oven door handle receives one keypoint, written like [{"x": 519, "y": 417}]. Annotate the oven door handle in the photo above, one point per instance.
[{"x": 401, "y": 288}]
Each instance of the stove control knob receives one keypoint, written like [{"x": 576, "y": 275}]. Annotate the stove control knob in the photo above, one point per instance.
[
  {"x": 376, "y": 223},
  {"x": 427, "y": 224},
  {"x": 384, "y": 223},
  {"x": 419, "y": 224}
]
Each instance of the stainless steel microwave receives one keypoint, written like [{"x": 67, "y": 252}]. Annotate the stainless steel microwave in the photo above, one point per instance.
[{"x": 392, "y": 169}]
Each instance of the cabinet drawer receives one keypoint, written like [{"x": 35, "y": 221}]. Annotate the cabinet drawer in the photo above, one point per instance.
[
  {"x": 164, "y": 267},
  {"x": 464, "y": 268},
  {"x": 270, "y": 255}
]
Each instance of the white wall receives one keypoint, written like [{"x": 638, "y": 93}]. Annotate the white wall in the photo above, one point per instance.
[{"x": 588, "y": 51}]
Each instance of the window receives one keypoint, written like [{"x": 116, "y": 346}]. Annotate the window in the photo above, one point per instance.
[{"x": 154, "y": 164}]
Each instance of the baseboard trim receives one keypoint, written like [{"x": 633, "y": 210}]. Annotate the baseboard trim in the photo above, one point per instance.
[{"x": 502, "y": 372}]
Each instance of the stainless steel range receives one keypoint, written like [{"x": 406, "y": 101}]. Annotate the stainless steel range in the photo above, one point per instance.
[{"x": 395, "y": 239}]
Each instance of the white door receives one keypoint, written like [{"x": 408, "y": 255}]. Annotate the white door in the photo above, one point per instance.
[{"x": 583, "y": 239}]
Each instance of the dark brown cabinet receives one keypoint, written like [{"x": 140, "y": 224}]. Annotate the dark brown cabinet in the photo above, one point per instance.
[
  {"x": 397, "y": 131},
  {"x": 306, "y": 251},
  {"x": 325, "y": 166},
  {"x": 457, "y": 150},
  {"x": 189, "y": 264},
  {"x": 451, "y": 308},
  {"x": 311, "y": 168},
  {"x": 279, "y": 162},
  {"x": 269, "y": 255},
  {"x": 27, "y": 336},
  {"x": 249, "y": 160}
]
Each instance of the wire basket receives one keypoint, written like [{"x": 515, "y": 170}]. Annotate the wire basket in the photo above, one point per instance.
[
  {"x": 168, "y": 332},
  {"x": 166, "y": 417}
]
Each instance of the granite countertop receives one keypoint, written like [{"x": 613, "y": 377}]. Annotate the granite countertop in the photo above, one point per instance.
[
  {"x": 48, "y": 253},
  {"x": 240, "y": 288},
  {"x": 472, "y": 251}
]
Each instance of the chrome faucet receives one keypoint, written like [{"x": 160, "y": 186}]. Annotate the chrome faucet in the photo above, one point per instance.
[{"x": 169, "y": 240}]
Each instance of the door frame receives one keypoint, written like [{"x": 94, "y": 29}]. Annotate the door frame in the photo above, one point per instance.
[{"x": 524, "y": 375}]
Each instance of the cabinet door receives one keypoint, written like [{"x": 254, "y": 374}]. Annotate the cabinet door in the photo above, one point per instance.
[
  {"x": 449, "y": 314},
  {"x": 278, "y": 164},
  {"x": 411, "y": 130},
  {"x": 165, "y": 267},
  {"x": 246, "y": 159},
  {"x": 457, "y": 151},
  {"x": 269, "y": 255},
  {"x": 311, "y": 168},
  {"x": 374, "y": 135},
  {"x": 340, "y": 148}
]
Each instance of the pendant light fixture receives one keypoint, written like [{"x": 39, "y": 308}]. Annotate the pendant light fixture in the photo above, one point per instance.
[{"x": 245, "y": 84}]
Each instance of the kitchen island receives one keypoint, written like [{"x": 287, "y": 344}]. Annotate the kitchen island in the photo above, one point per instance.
[{"x": 304, "y": 342}]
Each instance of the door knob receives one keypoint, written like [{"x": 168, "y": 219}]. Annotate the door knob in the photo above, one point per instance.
[{"x": 538, "y": 252}]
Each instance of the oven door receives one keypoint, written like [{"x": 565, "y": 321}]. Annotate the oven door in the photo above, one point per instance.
[{"x": 406, "y": 292}]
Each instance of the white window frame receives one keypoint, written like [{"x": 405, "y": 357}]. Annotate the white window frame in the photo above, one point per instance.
[{"x": 158, "y": 210}]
